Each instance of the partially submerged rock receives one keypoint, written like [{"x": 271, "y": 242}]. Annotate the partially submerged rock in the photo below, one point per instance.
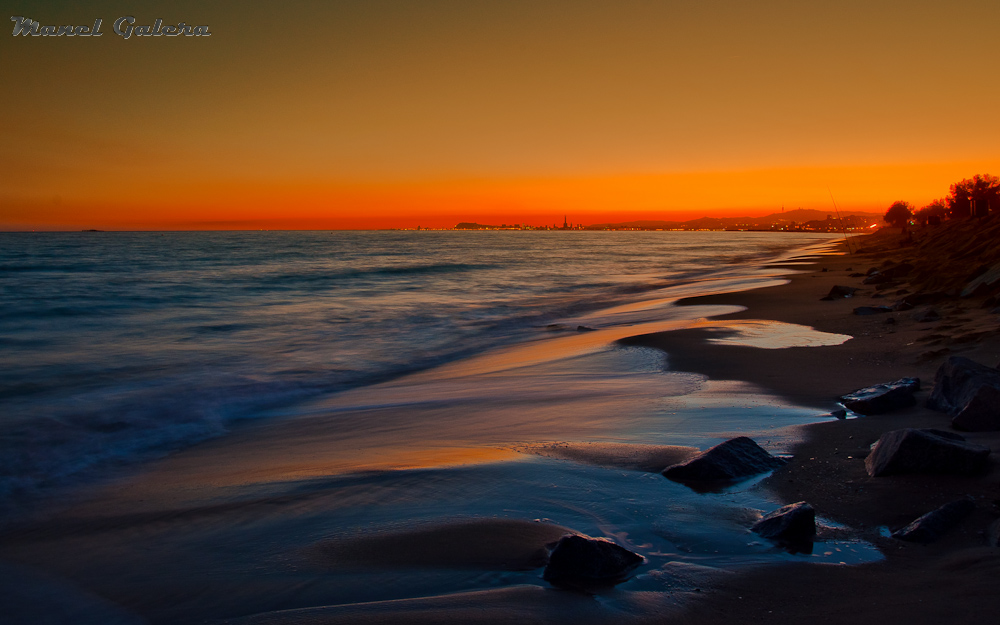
[
  {"x": 882, "y": 398},
  {"x": 794, "y": 523},
  {"x": 925, "y": 451},
  {"x": 581, "y": 560},
  {"x": 936, "y": 523},
  {"x": 736, "y": 458},
  {"x": 969, "y": 392}
]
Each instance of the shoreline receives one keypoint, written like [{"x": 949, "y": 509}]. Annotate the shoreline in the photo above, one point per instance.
[
  {"x": 827, "y": 471},
  {"x": 950, "y": 580}
]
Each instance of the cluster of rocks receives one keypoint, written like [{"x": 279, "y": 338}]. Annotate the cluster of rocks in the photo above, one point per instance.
[
  {"x": 585, "y": 563},
  {"x": 793, "y": 526},
  {"x": 968, "y": 391}
]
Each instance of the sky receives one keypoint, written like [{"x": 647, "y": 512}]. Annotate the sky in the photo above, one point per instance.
[{"x": 392, "y": 113}]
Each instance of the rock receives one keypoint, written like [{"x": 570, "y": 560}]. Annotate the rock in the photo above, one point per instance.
[
  {"x": 925, "y": 451},
  {"x": 581, "y": 560},
  {"x": 585, "y": 329},
  {"x": 857, "y": 274},
  {"x": 926, "y": 315},
  {"x": 969, "y": 392},
  {"x": 840, "y": 414},
  {"x": 871, "y": 310},
  {"x": 981, "y": 413},
  {"x": 936, "y": 523},
  {"x": 837, "y": 292},
  {"x": 882, "y": 398},
  {"x": 793, "y": 523},
  {"x": 736, "y": 458}
]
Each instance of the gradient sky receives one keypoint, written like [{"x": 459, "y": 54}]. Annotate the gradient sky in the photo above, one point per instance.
[{"x": 375, "y": 113}]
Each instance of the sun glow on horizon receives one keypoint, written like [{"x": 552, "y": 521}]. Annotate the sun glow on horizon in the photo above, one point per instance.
[{"x": 395, "y": 114}]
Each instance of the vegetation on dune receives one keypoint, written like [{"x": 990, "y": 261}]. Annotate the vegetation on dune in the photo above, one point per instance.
[
  {"x": 899, "y": 214},
  {"x": 970, "y": 197}
]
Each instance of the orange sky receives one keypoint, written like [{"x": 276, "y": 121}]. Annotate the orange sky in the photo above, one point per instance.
[{"x": 368, "y": 113}]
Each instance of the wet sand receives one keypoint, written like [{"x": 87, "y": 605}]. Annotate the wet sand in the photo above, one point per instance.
[
  {"x": 949, "y": 581},
  {"x": 264, "y": 513}
]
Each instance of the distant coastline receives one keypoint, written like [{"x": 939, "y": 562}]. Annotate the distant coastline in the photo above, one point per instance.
[{"x": 798, "y": 220}]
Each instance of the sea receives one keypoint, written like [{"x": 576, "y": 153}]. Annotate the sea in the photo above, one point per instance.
[{"x": 467, "y": 354}]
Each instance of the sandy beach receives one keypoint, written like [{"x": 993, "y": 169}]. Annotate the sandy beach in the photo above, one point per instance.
[
  {"x": 946, "y": 582},
  {"x": 263, "y": 512}
]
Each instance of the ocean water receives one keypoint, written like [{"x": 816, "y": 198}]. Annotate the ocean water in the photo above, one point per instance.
[
  {"x": 118, "y": 347},
  {"x": 189, "y": 421}
]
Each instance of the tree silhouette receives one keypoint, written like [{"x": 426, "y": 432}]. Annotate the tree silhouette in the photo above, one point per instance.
[
  {"x": 974, "y": 196},
  {"x": 934, "y": 212},
  {"x": 899, "y": 214}
]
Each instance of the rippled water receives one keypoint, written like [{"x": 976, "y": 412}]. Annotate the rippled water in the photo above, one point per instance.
[{"x": 120, "y": 346}]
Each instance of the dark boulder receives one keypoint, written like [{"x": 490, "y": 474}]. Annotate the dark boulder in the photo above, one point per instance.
[
  {"x": 872, "y": 310},
  {"x": 936, "y": 523},
  {"x": 882, "y": 398},
  {"x": 793, "y": 523},
  {"x": 925, "y": 451},
  {"x": 736, "y": 458},
  {"x": 969, "y": 392},
  {"x": 580, "y": 560},
  {"x": 837, "y": 292}
]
